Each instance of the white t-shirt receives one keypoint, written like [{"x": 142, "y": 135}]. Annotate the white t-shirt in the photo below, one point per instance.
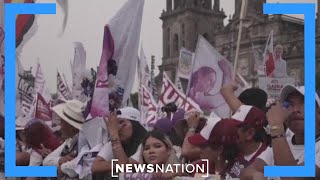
[
  {"x": 107, "y": 154},
  {"x": 297, "y": 152},
  {"x": 250, "y": 156},
  {"x": 35, "y": 158}
]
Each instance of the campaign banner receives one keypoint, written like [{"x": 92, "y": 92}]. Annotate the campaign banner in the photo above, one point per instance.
[
  {"x": 148, "y": 108},
  {"x": 170, "y": 93},
  {"x": 273, "y": 86},
  {"x": 24, "y": 97},
  {"x": 62, "y": 89},
  {"x": 210, "y": 72}
]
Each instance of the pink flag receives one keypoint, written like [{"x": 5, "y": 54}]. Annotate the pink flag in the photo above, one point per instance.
[{"x": 100, "y": 99}]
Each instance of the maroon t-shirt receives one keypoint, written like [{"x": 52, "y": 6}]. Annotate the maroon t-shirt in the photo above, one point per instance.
[{"x": 240, "y": 163}]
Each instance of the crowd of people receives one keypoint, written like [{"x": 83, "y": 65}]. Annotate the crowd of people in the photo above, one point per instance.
[{"x": 259, "y": 133}]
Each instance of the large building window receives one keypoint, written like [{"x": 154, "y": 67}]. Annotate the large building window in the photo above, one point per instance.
[
  {"x": 195, "y": 27},
  {"x": 168, "y": 42},
  {"x": 176, "y": 43},
  {"x": 182, "y": 29}
]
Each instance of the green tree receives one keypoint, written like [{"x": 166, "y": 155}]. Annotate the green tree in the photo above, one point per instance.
[{"x": 134, "y": 99}]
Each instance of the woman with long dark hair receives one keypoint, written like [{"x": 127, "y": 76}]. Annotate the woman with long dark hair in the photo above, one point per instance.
[
  {"x": 126, "y": 134},
  {"x": 157, "y": 149}
]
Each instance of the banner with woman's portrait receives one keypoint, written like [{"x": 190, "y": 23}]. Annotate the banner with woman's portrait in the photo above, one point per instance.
[{"x": 210, "y": 72}]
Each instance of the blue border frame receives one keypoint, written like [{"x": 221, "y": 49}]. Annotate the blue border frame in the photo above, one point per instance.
[
  {"x": 308, "y": 10},
  {"x": 11, "y": 10}
]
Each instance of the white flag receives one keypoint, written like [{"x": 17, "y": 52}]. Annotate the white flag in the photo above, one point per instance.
[
  {"x": 78, "y": 71},
  {"x": 144, "y": 73},
  {"x": 65, "y": 9},
  {"x": 119, "y": 57},
  {"x": 148, "y": 108}
]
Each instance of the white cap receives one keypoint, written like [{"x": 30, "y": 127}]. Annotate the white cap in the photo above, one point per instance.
[
  {"x": 288, "y": 89},
  {"x": 129, "y": 113}
]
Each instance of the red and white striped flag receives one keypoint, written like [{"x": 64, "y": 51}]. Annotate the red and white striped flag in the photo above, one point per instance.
[{"x": 269, "y": 56}]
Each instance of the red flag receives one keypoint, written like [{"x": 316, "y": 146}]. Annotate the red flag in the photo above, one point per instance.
[
  {"x": 23, "y": 21},
  {"x": 270, "y": 64},
  {"x": 42, "y": 109},
  {"x": 268, "y": 55}
]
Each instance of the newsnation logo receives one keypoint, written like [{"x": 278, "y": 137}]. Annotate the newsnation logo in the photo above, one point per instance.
[{"x": 151, "y": 168}]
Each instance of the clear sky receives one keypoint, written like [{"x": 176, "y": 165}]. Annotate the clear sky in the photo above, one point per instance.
[{"x": 85, "y": 24}]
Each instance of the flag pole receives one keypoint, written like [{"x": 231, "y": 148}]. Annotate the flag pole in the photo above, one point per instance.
[{"x": 242, "y": 14}]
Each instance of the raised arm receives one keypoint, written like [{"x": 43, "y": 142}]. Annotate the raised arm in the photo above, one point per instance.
[
  {"x": 231, "y": 99},
  {"x": 188, "y": 150}
]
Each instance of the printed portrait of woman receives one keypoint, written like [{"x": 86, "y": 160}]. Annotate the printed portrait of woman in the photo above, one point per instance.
[
  {"x": 202, "y": 81},
  {"x": 202, "y": 84},
  {"x": 206, "y": 83}
]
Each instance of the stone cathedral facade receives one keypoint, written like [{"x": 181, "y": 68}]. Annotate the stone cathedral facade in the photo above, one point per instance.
[{"x": 184, "y": 20}]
